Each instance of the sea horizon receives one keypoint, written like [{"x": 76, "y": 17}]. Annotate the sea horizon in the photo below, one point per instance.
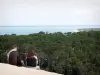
[{"x": 24, "y": 30}]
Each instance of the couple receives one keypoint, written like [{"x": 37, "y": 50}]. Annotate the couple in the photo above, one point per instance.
[{"x": 14, "y": 58}]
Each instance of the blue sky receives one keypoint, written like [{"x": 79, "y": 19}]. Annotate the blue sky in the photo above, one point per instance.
[{"x": 46, "y": 15}]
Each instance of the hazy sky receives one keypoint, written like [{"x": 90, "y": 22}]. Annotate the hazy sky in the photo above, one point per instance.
[{"x": 50, "y": 12}]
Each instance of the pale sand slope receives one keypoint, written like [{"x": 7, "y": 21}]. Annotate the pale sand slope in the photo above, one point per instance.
[{"x": 6, "y": 69}]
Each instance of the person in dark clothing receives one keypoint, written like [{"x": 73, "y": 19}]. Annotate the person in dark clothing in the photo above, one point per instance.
[
  {"x": 31, "y": 62},
  {"x": 32, "y": 59},
  {"x": 13, "y": 57}
]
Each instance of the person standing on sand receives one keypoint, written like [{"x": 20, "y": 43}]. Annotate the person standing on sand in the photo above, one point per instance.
[
  {"x": 14, "y": 48},
  {"x": 13, "y": 57},
  {"x": 32, "y": 58}
]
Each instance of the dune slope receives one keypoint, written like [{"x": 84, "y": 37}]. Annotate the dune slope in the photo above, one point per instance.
[{"x": 6, "y": 69}]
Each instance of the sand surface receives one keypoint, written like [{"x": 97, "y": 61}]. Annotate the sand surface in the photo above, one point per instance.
[{"x": 6, "y": 69}]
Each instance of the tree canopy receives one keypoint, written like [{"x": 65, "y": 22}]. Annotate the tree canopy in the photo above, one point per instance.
[{"x": 81, "y": 49}]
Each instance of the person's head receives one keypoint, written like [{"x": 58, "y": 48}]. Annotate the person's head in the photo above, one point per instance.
[
  {"x": 14, "y": 46},
  {"x": 33, "y": 51}
]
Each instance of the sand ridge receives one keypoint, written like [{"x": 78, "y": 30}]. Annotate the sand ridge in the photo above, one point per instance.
[{"x": 6, "y": 69}]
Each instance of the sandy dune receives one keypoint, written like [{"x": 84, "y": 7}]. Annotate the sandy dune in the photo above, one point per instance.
[{"x": 6, "y": 69}]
